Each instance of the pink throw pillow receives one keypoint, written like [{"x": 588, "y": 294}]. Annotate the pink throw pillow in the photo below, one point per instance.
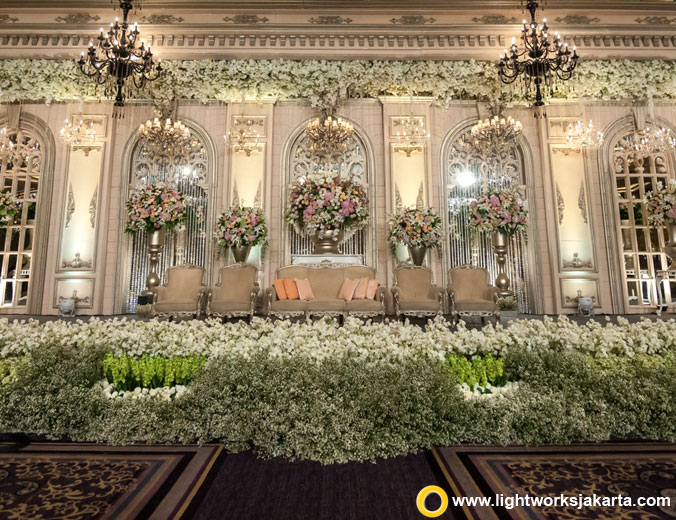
[
  {"x": 347, "y": 289},
  {"x": 372, "y": 288},
  {"x": 360, "y": 291},
  {"x": 305, "y": 289}
]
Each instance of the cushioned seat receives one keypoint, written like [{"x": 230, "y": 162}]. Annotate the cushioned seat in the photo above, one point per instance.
[
  {"x": 182, "y": 294},
  {"x": 235, "y": 293},
  {"x": 422, "y": 304},
  {"x": 326, "y": 282},
  {"x": 326, "y": 305},
  {"x": 414, "y": 294}
]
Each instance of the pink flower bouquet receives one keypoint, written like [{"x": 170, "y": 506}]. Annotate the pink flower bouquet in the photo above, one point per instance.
[
  {"x": 498, "y": 211},
  {"x": 241, "y": 227},
  {"x": 154, "y": 207},
  {"x": 416, "y": 227},
  {"x": 661, "y": 204}
]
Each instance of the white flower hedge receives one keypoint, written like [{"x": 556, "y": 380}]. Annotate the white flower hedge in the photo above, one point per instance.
[
  {"x": 332, "y": 394},
  {"x": 323, "y": 81}
]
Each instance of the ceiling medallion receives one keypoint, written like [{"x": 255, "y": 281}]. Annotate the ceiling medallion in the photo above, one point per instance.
[
  {"x": 328, "y": 134},
  {"x": 411, "y": 133},
  {"x": 120, "y": 60},
  {"x": 494, "y": 136},
  {"x": 581, "y": 136},
  {"x": 542, "y": 62},
  {"x": 167, "y": 143}
]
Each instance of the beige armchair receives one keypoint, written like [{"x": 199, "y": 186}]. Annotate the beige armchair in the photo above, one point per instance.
[
  {"x": 182, "y": 295},
  {"x": 236, "y": 292},
  {"x": 414, "y": 293},
  {"x": 471, "y": 294}
]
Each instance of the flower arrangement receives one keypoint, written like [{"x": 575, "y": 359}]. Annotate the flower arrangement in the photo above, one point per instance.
[
  {"x": 327, "y": 200},
  {"x": 661, "y": 204},
  {"x": 415, "y": 227},
  {"x": 9, "y": 207},
  {"x": 500, "y": 211},
  {"x": 242, "y": 226},
  {"x": 153, "y": 207}
]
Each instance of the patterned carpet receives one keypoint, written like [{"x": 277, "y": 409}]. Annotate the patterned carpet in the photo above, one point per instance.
[
  {"x": 608, "y": 470},
  {"x": 87, "y": 481}
]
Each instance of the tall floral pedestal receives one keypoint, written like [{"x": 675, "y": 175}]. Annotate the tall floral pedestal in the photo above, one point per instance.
[
  {"x": 155, "y": 243},
  {"x": 500, "y": 241}
]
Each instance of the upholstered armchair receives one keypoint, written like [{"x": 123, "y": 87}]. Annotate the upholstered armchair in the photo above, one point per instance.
[
  {"x": 414, "y": 294},
  {"x": 236, "y": 292},
  {"x": 471, "y": 294},
  {"x": 182, "y": 295}
]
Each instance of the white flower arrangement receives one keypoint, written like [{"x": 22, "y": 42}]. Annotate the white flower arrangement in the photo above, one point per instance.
[
  {"x": 166, "y": 393},
  {"x": 489, "y": 391}
]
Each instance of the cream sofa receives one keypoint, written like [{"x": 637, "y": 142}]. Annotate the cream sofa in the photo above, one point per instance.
[
  {"x": 326, "y": 282},
  {"x": 236, "y": 292}
]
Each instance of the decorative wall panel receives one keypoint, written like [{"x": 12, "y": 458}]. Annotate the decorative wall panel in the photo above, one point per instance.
[
  {"x": 573, "y": 288},
  {"x": 467, "y": 246},
  {"x": 82, "y": 289},
  {"x": 77, "y": 250},
  {"x": 187, "y": 245}
]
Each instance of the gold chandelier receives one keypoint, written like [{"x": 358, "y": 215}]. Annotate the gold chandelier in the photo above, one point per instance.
[
  {"x": 167, "y": 143},
  {"x": 651, "y": 140},
  {"x": 329, "y": 135},
  {"x": 411, "y": 133},
  {"x": 492, "y": 137},
  {"x": 584, "y": 136}
]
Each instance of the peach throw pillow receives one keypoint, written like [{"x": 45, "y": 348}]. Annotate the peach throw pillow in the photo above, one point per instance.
[
  {"x": 360, "y": 291},
  {"x": 305, "y": 289},
  {"x": 291, "y": 289},
  {"x": 279, "y": 287},
  {"x": 371, "y": 289},
  {"x": 347, "y": 289}
]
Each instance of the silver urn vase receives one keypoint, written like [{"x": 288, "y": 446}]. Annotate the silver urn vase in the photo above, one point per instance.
[
  {"x": 500, "y": 241},
  {"x": 155, "y": 243},
  {"x": 328, "y": 243},
  {"x": 417, "y": 255},
  {"x": 240, "y": 253}
]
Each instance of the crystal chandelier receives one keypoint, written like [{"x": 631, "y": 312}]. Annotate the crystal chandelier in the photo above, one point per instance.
[
  {"x": 120, "y": 60},
  {"x": 541, "y": 63},
  {"x": 584, "y": 136},
  {"x": 329, "y": 135},
  {"x": 411, "y": 133},
  {"x": 80, "y": 136},
  {"x": 651, "y": 140},
  {"x": 493, "y": 137},
  {"x": 167, "y": 143}
]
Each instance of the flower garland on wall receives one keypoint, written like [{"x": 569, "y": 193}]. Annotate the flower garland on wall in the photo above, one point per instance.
[
  {"x": 415, "y": 227},
  {"x": 242, "y": 227},
  {"x": 327, "y": 200},
  {"x": 153, "y": 207},
  {"x": 498, "y": 211},
  {"x": 322, "y": 82}
]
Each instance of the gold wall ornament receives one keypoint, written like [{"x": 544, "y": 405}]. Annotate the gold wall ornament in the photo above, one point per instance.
[
  {"x": 328, "y": 134},
  {"x": 560, "y": 203},
  {"x": 70, "y": 206},
  {"x": 577, "y": 263},
  {"x": 582, "y": 204},
  {"x": 76, "y": 263},
  {"x": 92, "y": 207}
]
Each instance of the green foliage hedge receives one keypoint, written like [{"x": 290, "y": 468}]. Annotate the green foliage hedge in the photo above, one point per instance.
[
  {"x": 127, "y": 372},
  {"x": 481, "y": 370},
  {"x": 341, "y": 410}
]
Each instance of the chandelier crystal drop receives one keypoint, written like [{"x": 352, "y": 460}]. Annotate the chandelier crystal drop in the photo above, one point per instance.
[
  {"x": 120, "y": 61},
  {"x": 542, "y": 61},
  {"x": 166, "y": 142},
  {"x": 494, "y": 136},
  {"x": 584, "y": 136},
  {"x": 328, "y": 134}
]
